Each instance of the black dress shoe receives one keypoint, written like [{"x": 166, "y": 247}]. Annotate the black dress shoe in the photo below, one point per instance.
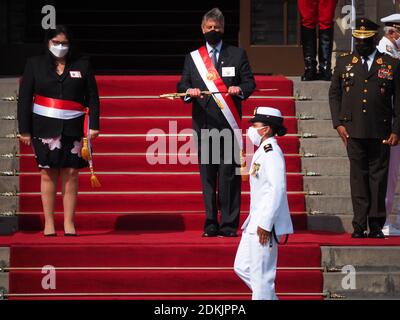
[
  {"x": 209, "y": 234},
  {"x": 51, "y": 235},
  {"x": 231, "y": 234},
  {"x": 70, "y": 235},
  {"x": 376, "y": 235},
  {"x": 359, "y": 235}
]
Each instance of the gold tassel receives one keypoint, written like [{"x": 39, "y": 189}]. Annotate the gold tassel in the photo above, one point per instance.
[
  {"x": 85, "y": 150},
  {"x": 94, "y": 181},
  {"x": 243, "y": 171}
]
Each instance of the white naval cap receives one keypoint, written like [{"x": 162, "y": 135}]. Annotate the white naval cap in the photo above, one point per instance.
[
  {"x": 268, "y": 111},
  {"x": 270, "y": 116},
  {"x": 392, "y": 21}
]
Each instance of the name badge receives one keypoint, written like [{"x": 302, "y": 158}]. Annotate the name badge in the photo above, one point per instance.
[
  {"x": 228, "y": 71},
  {"x": 75, "y": 74}
]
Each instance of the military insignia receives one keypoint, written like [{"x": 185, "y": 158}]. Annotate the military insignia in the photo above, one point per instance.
[
  {"x": 379, "y": 61},
  {"x": 349, "y": 67},
  {"x": 345, "y": 54},
  {"x": 256, "y": 168},
  {"x": 267, "y": 148},
  {"x": 355, "y": 60},
  {"x": 385, "y": 74},
  {"x": 389, "y": 49},
  {"x": 389, "y": 67},
  {"x": 211, "y": 76}
]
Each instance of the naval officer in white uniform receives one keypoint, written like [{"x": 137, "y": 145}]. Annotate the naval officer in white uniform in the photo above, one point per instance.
[
  {"x": 256, "y": 258},
  {"x": 390, "y": 44}
]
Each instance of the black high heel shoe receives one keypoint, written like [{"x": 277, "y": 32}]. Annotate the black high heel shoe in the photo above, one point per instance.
[
  {"x": 50, "y": 235},
  {"x": 70, "y": 235}
]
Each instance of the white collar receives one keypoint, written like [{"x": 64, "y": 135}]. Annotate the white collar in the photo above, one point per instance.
[
  {"x": 383, "y": 43},
  {"x": 270, "y": 140},
  {"x": 371, "y": 56},
  {"x": 218, "y": 47}
]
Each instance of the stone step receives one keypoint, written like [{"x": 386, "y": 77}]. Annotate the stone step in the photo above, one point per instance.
[
  {"x": 329, "y": 204},
  {"x": 8, "y": 109},
  {"x": 367, "y": 284},
  {"x": 9, "y": 184},
  {"x": 8, "y": 127},
  {"x": 8, "y": 87},
  {"x": 362, "y": 258},
  {"x": 4, "y": 256},
  {"x": 9, "y": 204},
  {"x": 327, "y": 166},
  {"x": 333, "y": 204},
  {"x": 334, "y": 222},
  {"x": 4, "y": 262},
  {"x": 318, "y": 109},
  {"x": 9, "y": 146},
  {"x": 330, "y": 184},
  {"x": 320, "y": 128},
  {"x": 316, "y": 90},
  {"x": 9, "y": 164},
  {"x": 323, "y": 147}
]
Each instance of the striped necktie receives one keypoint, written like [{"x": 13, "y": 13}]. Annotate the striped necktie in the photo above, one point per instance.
[{"x": 214, "y": 56}]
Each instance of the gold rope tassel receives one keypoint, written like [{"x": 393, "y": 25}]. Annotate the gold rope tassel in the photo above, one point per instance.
[
  {"x": 243, "y": 171},
  {"x": 85, "y": 150},
  {"x": 94, "y": 181}
]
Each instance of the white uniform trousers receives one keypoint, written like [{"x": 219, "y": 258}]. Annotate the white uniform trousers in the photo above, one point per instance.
[
  {"x": 393, "y": 175},
  {"x": 256, "y": 266}
]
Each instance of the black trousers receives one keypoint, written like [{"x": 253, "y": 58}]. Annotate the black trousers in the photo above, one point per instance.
[
  {"x": 369, "y": 163},
  {"x": 221, "y": 183}
]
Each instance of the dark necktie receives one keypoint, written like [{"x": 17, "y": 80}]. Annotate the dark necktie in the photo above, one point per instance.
[
  {"x": 214, "y": 56},
  {"x": 365, "y": 64}
]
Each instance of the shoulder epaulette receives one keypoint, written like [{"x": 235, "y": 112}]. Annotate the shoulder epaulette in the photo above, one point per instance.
[{"x": 267, "y": 148}]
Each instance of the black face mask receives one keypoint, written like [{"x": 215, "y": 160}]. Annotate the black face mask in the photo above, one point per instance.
[
  {"x": 213, "y": 37},
  {"x": 366, "y": 47}
]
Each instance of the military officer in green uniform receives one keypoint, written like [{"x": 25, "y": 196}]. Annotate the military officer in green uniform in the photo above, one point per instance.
[{"x": 364, "y": 85}]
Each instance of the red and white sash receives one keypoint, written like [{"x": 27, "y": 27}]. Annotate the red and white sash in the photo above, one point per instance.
[
  {"x": 58, "y": 109},
  {"x": 214, "y": 83}
]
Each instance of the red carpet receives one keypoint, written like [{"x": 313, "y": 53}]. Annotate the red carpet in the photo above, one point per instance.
[{"x": 148, "y": 216}]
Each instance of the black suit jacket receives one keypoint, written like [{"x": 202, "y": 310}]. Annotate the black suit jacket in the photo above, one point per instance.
[
  {"x": 366, "y": 103},
  {"x": 205, "y": 112},
  {"x": 40, "y": 77}
]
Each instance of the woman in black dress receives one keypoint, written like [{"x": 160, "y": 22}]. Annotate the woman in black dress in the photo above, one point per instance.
[{"x": 55, "y": 93}]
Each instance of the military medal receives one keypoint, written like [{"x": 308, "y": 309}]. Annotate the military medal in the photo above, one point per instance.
[
  {"x": 347, "y": 89},
  {"x": 355, "y": 60},
  {"x": 379, "y": 61},
  {"x": 349, "y": 67},
  {"x": 256, "y": 168}
]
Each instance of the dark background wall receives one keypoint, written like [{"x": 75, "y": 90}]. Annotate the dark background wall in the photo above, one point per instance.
[{"x": 120, "y": 36}]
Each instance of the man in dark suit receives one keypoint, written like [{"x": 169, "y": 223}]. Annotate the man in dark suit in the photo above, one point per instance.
[
  {"x": 364, "y": 99},
  {"x": 209, "y": 117}
]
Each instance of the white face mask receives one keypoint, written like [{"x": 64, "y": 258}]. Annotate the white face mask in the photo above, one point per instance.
[
  {"x": 253, "y": 135},
  {"x": 59, "y": 51}
]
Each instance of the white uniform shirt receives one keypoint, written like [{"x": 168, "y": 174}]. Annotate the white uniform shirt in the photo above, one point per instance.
[
  {"x": 269, "y": 203},
  {"x": 386, "y": 46}
]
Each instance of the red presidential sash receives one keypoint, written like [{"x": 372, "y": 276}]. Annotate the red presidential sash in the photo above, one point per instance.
[
  {"x": 214, "y": 83},
  {"x": 56, "y": 108},
  {"x": 66, "y": 110}
]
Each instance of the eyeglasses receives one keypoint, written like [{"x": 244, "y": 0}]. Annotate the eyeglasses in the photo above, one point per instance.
[{"x": 56, "y": 43}]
